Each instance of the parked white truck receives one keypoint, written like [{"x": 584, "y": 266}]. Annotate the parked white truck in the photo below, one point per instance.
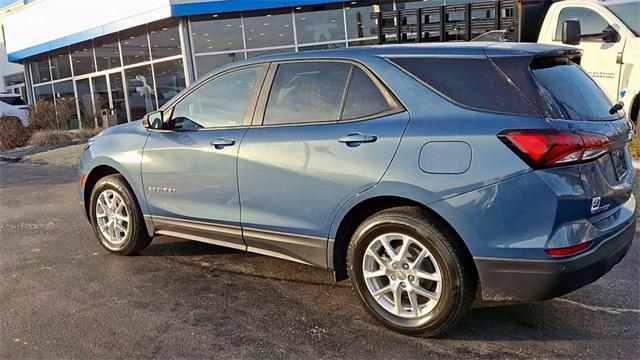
[{"x": 608, "y": 33}]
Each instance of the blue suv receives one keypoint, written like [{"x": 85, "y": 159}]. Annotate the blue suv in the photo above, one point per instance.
[{"x": 431, "y": 176}]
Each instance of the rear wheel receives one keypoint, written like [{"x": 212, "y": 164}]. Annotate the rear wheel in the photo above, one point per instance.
[
  {"x": 116, "y": 217},
  {"x": 410, "y": 273}
]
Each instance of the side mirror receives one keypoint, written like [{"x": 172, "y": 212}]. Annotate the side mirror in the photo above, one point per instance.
[
  {"x": 610, "y": 35},
  {"x": 571, "y": 32},
  {"x": 154, "y": 120}
]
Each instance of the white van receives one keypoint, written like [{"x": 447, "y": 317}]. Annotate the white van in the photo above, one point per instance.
[{"x": 13, "y": 105}]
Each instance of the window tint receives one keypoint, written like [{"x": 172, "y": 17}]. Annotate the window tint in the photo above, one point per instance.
[
  {"x": 572, "y": 90},
  {"x": 306, "y": 92},
  {"x": 222, "y": 102},
  {"x": 12, "y": 100},
  {"x": 590, "y": 21},
  {"x": 471, "y": 82},
  {"x": 364, "y": 97}
]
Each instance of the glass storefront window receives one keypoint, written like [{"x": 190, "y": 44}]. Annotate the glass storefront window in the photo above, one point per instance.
[
  {"x": 60, "y": 64},
  {"x": 100, "y": 95},
  {"x": 266, "y": 29},
  {"x": 40, "y": 69},
  {"x": 322, "y": 46},
  {"x": 84, "y": 101},
  {"x": 135, "y": 45},
  {"x": 43, "y": 93},
  {"x": 216, "y": 33},
  {"x": 252, "y": 54},
  {"x": 107, "y": 52},
  {"x": 140, "y": 91},
  {"x": 82, "y": 58},
  {"x": 66, "y": 105},
  {"x": 319, "y": 23},
  {"x": 169, "y": 79},
  {"x": 118, "y": 97},
  {"x": 206, "y": 63},
  {"x": 165, "y": 38},
  {"x": 359, "y": 21},
  {"x": 14, "y": 79}
]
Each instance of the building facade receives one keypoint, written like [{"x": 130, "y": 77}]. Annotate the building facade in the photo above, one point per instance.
[
  {"x": 128, "y": 57},
  {"x": 11, "y": 74}
]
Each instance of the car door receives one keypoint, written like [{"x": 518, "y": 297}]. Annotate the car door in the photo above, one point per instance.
[
  {"x": 324, "y": 131},
  {"x": 189, "y": 169},
  {"x": 601, "y": 60}
]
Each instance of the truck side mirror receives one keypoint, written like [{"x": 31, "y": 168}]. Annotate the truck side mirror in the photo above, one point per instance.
[
  {"x": 610, "y": 35},
  {"x": 571, "y": 32}
]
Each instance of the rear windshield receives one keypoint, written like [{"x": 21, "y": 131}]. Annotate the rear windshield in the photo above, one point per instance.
[
  {"x": 572, "y": 92},
  {"x": 470, "y": 82},
  {"x": 12, "y": 100}
]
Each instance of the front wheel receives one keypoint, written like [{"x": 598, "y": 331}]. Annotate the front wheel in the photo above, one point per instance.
[
  {"x": 116, "y": 217},
  {"x": 410, "y": 272}
]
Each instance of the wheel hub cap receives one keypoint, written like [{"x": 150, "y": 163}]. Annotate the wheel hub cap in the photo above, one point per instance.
[
  {"x": 112, "y": 217},
  {"x": 402, "y": 275}
]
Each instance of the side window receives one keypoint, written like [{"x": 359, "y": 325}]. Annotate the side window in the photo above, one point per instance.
[
  {"x": 470, "y": 82},
  {"x": 590, "y": 21},
  {"x": 222, "y": 102},
  {"x": 306, "y": 92},
  {"x": 364, "y": 98}
]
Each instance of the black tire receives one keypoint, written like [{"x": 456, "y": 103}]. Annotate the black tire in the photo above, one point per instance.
[
  {"x": 137, "y": 238},
  {"x": 459, "y": 279}
]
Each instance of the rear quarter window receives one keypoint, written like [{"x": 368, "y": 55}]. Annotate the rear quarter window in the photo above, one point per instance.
[{"x": 470, "y": 82}]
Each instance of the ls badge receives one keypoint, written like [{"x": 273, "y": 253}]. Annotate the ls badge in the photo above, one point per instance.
[{"x": 595, "y": 205}]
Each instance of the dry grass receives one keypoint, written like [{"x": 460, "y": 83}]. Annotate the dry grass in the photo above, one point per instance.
[
  {"x": 87, "y": 133},
  {"x": 65, "y": 156},
  {"x": 12, "y": 133},
  {"x": 49, "y": 137}
]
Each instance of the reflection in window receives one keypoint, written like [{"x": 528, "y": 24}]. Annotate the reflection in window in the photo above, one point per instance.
[
  {"x": 265, "y": 29},
  {"x": 43, "y": 93},
  {"x": 100, "y": 96},
  {"x": 14, "y": 79},
  {"x": 252, "y": 54},
  {"x": 306, "y": 92},
  {"x": 169, "y": 79},
  {"x": 165, "y": 38},
  {"x": 140, "y": 91},
  {"x": 359, "y": 21},
  {"x": 82, "y": 58},
  {"x": 216, "y": 33},
  {"x": 107, "y": 52},
  {"x": 60, "y": 64},
  {"x": 135, "y": 45},
  {"x": 118, "y": 97},
  {"x": 590, "y": 21},
  {"x": 84, "y": 102},
  {"x": 364, "y": 97},
  {"x": 322, "y": 47},
  {"x": 40, "y": 69},
  {"x": 222, "y": 102},
  {"x": 66, "y": 105},
  {"x": 319, "y": 23},
  {"x": 206, "y": 63}
]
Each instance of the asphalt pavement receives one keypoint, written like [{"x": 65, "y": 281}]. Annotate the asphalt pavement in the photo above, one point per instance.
[{"x": 62, "y": 295}]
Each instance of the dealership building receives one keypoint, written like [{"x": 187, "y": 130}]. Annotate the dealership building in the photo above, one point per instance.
[{"x": 128, "y": 57}]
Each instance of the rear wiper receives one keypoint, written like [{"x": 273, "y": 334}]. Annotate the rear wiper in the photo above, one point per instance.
[{"x": 616, "y": 107}]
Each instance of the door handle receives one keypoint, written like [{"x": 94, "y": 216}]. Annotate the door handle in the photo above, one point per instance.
[
  {"x": 220, "y": 143},
  {"x": 357, "y": 138}
]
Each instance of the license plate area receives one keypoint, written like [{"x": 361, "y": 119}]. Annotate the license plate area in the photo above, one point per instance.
[{"x": 619, "y": 163}]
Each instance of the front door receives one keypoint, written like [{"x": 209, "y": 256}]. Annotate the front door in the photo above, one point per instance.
[
  {"x": 310, "y": 156},
  {"x": 189, "y": 170},
  {"x": 599, "y": 59}
]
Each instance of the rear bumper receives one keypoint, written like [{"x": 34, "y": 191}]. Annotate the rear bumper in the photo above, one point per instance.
[{"x": 519, "y": 280}]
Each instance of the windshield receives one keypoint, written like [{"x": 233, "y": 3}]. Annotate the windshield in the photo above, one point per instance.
[
  {"x": 573, "y": 93},
  {"x": 629, "y": 13}
]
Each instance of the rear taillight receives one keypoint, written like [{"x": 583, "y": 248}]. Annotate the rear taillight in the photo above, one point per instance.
[
  {"x": 547, "y": 148},
  {"x": 568, "y": 251}
]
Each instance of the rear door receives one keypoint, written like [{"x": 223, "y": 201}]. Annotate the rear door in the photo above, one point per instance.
[{"x": 324, "y": 131}]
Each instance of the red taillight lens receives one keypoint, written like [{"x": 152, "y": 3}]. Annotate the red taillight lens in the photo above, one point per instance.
[
  {"x": 546, "y": 148},
  {"x": 571, "y": 250}
]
